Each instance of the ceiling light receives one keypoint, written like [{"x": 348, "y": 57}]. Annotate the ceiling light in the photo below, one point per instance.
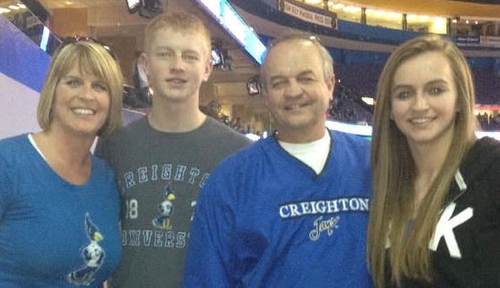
[
  {"x": 393, "y": 15},
  {"x": 338, "y": 6},
  {"x": 314, "y": 1},
  {"x": 440, "y": 19},
  {"x": 424, "y": 18},
  {"x": 411, "y": 17},
  {"x": 14, "y": 7},
  {"x": 352, "y": 9}
]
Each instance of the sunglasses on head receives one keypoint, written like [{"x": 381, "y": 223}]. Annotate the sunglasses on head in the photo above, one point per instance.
[{"x": 76, "y": 39}]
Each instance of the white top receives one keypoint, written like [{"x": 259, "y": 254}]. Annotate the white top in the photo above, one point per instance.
[
  {"x": 313, "y": 154},
  {"x": 32, "y": 141}
]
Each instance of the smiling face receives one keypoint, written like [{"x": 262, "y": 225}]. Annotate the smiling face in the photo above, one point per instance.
[
  {"x": 424, "y": 99},
  {"x": 81, "y": 103},
  {"x": 297, "y": 92},
  {"x": 177, "y": 63}
]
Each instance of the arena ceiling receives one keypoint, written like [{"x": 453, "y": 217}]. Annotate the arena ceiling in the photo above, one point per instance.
[{"x": 111, "y": 18}]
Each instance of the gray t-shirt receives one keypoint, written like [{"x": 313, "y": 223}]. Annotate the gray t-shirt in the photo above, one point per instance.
[{"x": 160, "y": 175}]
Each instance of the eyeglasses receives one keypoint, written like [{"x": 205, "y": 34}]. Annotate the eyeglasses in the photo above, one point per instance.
[{"x": 76, "y": 39}]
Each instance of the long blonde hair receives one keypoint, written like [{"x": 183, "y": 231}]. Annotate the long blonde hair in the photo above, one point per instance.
[{"x": 394, "y": 171}]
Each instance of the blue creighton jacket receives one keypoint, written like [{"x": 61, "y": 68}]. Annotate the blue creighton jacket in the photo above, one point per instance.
[{"x": 265, "y": 219}]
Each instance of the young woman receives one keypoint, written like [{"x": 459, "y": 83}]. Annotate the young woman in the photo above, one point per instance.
[
  {"x": 435, "y": 214},
  {"x": 59, "y": 205}
]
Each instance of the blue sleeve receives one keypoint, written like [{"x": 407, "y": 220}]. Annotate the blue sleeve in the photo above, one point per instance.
[{"x": 210, "y": 255}]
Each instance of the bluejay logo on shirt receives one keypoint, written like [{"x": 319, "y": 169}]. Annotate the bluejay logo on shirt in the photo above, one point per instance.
[
  {"x": 92, "y": 254},
  {"x": 166, "y": 209},
  {"x": 324, "y": 208},
  {"x": 176, "y": 185}
]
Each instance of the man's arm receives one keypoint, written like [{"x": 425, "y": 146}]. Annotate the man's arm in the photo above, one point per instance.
[{"x": 210, "y": 254}]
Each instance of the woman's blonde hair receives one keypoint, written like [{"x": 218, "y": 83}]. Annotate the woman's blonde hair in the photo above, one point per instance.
[
  {"x": 392, "y": 207},
  {"x": 90, "y": 57}
]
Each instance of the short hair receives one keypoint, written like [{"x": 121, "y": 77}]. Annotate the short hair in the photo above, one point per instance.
[
  {"x": 90, "y": 57},
  {"x": 326, "y": 58},
  {"x": 179, "y": 21}
]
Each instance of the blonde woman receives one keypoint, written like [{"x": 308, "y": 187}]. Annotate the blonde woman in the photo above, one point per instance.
[
  {"x": 435, "y": 214},
  {"x": 59, "y": 205}
]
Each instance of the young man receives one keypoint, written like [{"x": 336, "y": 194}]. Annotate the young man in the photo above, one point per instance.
[
  {"x": 292, "y": 210},
  {"x": 163, "y": 160}
]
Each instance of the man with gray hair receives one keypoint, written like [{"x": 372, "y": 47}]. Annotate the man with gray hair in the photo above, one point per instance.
[{"x": 291, "y": 210}]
